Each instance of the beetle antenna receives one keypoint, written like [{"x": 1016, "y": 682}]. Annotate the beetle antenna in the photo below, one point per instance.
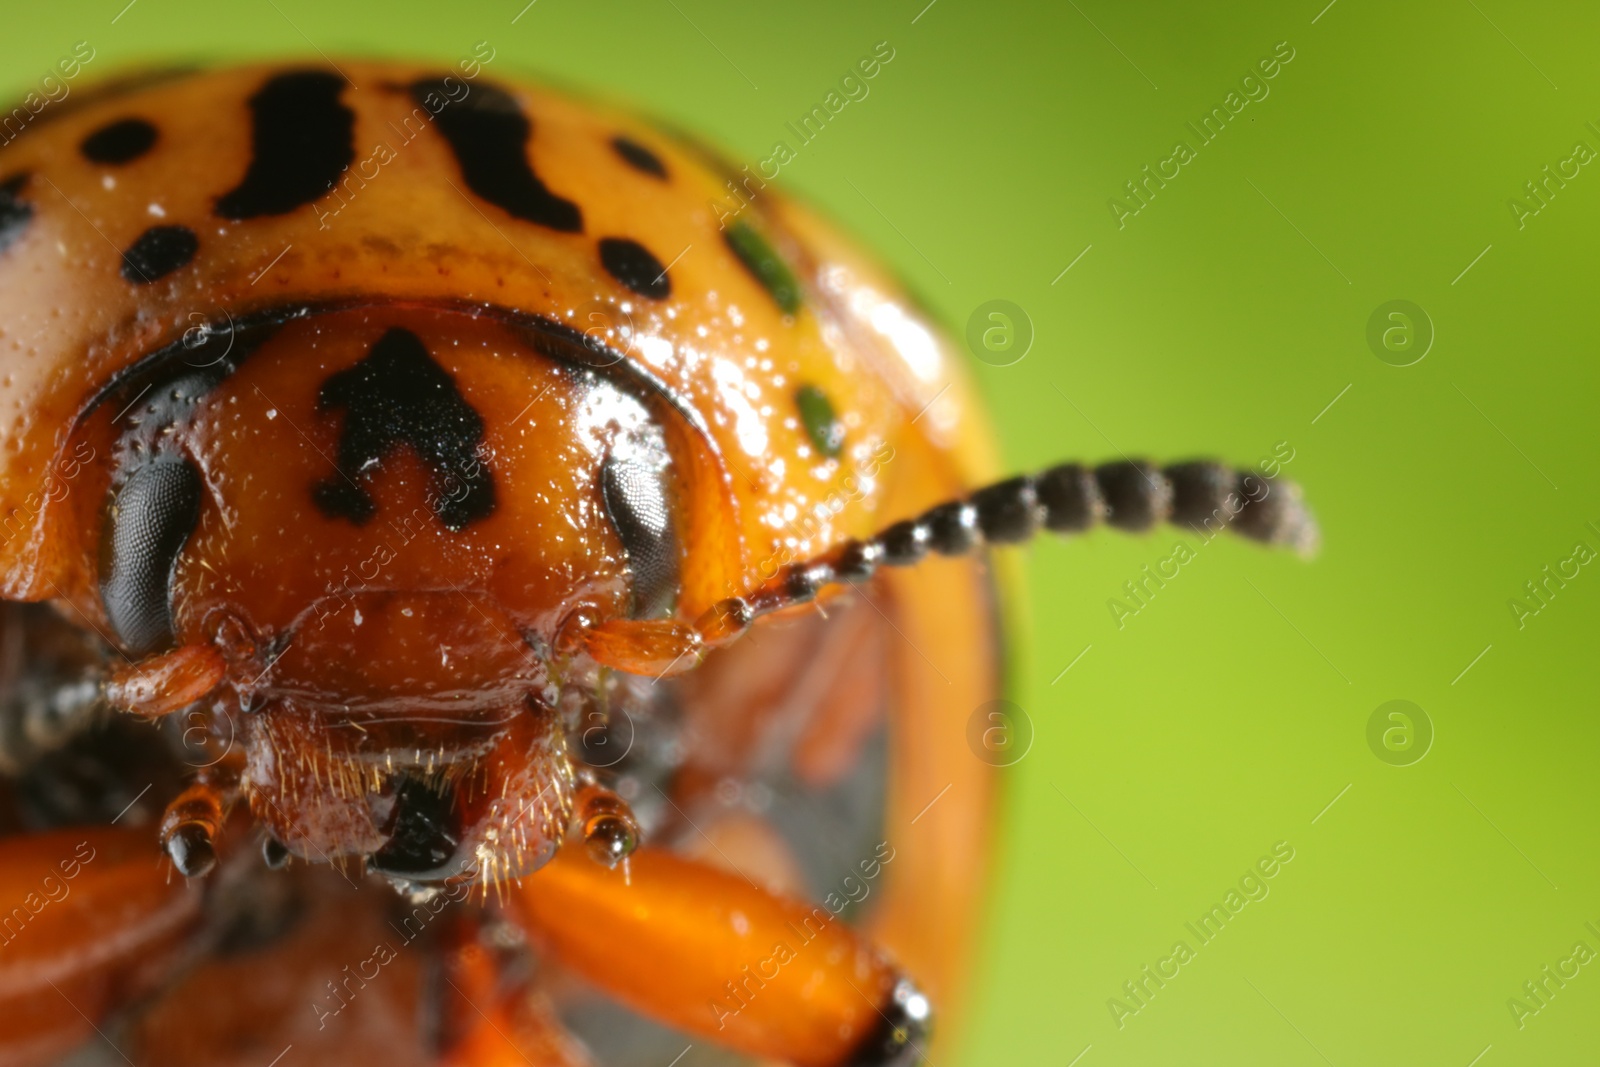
[{"x": 1130, "y": 495}]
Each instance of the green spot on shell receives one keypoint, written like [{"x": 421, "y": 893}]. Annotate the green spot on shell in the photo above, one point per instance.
[
  {"x": 765, "y": 264},
  {"x": 821, "y": 423}
]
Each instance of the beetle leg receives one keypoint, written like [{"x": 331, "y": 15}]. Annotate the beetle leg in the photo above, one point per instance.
[
  {"x": 159, "y": 685},
  {"x": 348, "y": 975},
  {"x": 94, "y": 922},
  {"x": 337, "y": 972},
  {"x": 709, "y": 953},
  {"x": 189, "y": 828},
  {"x": 610, "y": 832},
  {"x": 941, "y": 802},
  {"x": 854, "y": 702},
  {"x": 812, "y": 688},
  {"x": 50, "y": 683},
  {"x": 192, "y": 822},
  {"x": 491, "y": 1021}
]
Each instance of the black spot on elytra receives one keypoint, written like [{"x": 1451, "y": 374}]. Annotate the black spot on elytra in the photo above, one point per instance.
[
  {"x": 398, "y": 395},
  {"x": 15, "y": 214},
  {"x": 119, "y": 142},
  {"x": 632, "y": 264},
  {"x": 764, "y": 264},
  {"x": 639, "y": 157},
  {"x": 301, "y": 141},
  {"x": 820, "y": 420},
  {"x": 80, "y": 100},
  {"x": 157, "y": 252},
  {"x": 488, "y": 133}
]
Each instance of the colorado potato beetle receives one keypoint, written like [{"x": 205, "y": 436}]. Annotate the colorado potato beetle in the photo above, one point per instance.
[{"x": 467, "y": 593}]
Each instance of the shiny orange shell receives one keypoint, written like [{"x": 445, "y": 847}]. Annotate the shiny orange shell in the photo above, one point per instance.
[
  {"x": 403, "y": 238},
  {"x": 411, "y": 233}
]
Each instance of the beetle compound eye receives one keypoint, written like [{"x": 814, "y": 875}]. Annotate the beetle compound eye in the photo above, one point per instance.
[
  {"x": 152, "y": 516},
  {"x": 634, "y": 486}
]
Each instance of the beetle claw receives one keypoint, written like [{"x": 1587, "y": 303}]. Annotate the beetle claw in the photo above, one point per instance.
[{"x": 191, "y": 851}]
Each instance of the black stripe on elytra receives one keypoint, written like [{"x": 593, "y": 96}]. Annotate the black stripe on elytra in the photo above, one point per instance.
[
  {"x": 764, "y": 264},
  {"x": 302, "y": 139},
  {"x": 122, "y": 141},
  {"x": 488, "y": 133},
  {"x": 639, "y": 157},
  {"x": 398, "y": 395},
  {"x": 632, "y": 264},
  {"x": 15, "y": 214},
  {"x": 157, "y": 252}
]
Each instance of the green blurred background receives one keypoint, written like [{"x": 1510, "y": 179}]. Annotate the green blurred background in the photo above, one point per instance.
[{"x": 1225, "y": 317}]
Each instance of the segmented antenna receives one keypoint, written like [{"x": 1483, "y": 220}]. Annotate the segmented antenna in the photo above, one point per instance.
[{"x": 1128, "y": 495}]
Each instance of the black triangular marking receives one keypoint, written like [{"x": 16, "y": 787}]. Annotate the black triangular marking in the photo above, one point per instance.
[{"x": 397, "y": 395}]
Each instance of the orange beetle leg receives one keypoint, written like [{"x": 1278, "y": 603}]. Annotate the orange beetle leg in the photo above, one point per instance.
[
  {"x": 160, "y": 685},
  {"x": 190, "y": 825},
  {"x": 91, "y": 922},
  {"x": 495, "y": 1023},
  {"x": 344, "y": 976},
  {"x": 705, "y": 951},
  {"x": 312, "y": 964}
]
